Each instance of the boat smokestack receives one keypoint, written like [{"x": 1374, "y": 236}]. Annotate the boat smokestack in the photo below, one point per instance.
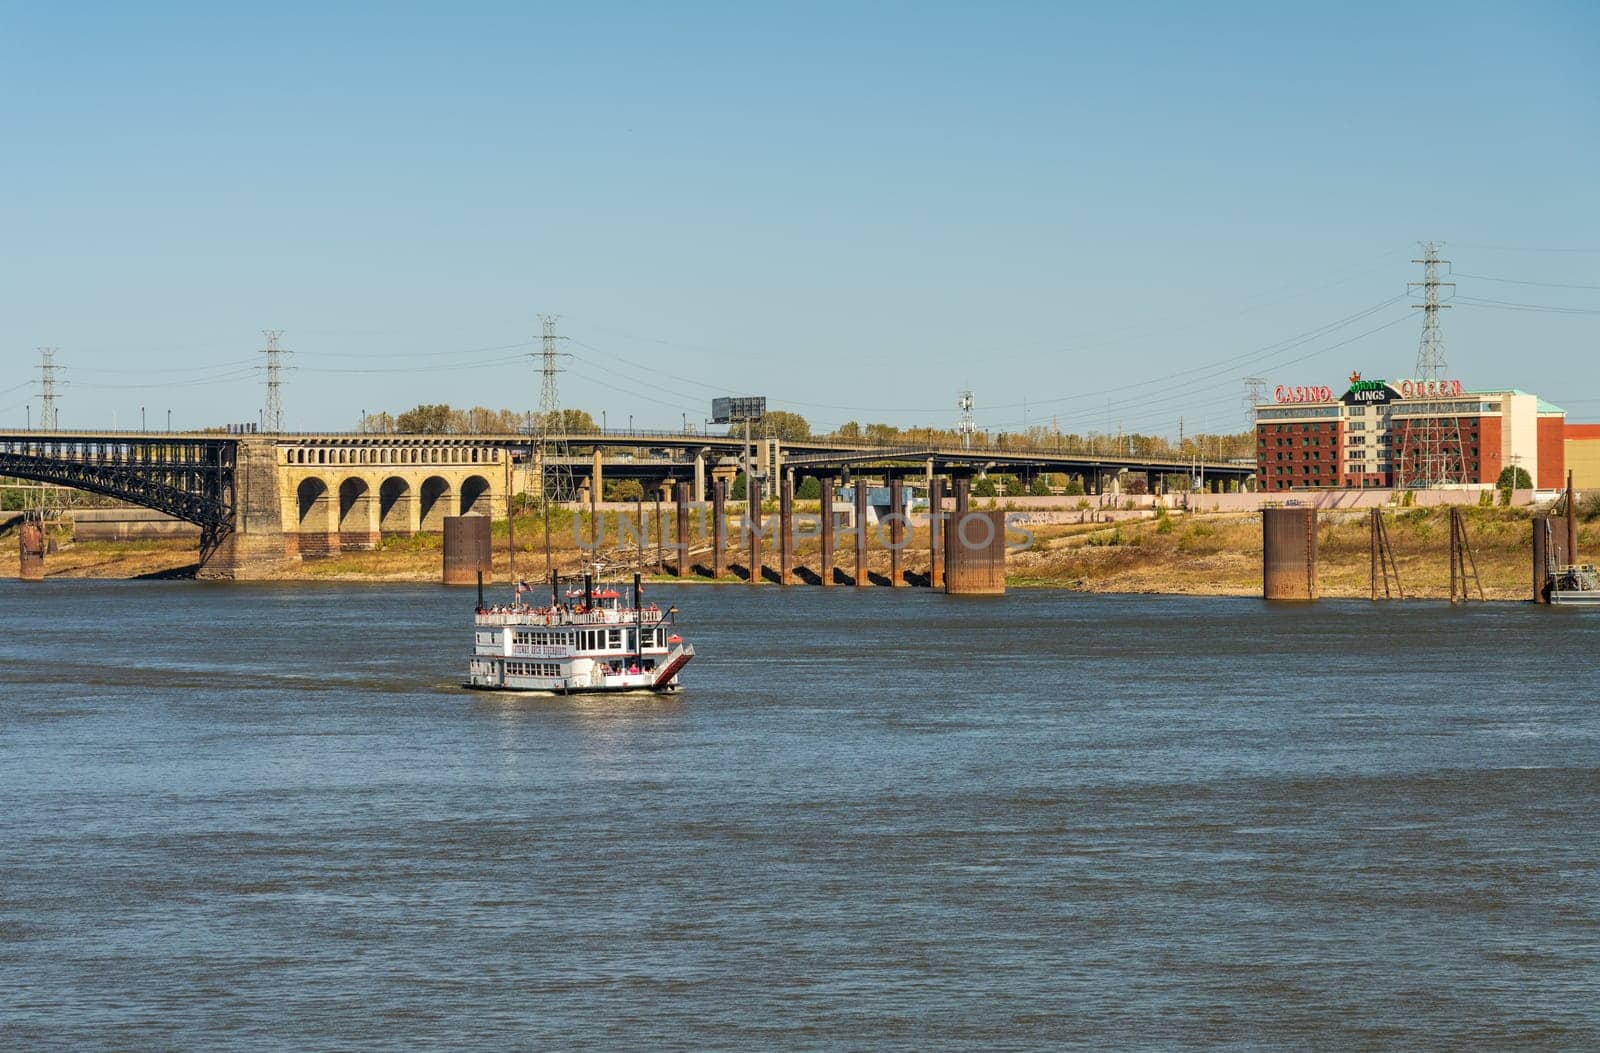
[
  {"x": 588, "y": 590},
  {"x": 638, "y": 598},
  {"x": 480, "y": 590},
  {"x": 555, "y": 589}
]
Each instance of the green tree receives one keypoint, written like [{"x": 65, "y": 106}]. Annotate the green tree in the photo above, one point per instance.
[
  {"x": 1514, "y": 478},
  {"x": 429, "y": 419},
  {"x": 789, "y": 427},
  {"x": 1073, "y": 488},
  {"x": 1040, "y": 487},
  {"x": 736, "y": 491},
  {"x": 810, "y": 489},
  {"x": 624, "y": 490},
  {"x": 983, "y": 487}
]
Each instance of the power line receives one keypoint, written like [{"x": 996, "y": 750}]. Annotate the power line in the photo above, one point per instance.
[
  {"x": 1523, "y": 248},
  {"x": 1508, "y": 305},
  {"x": 1519, "y": 281}
]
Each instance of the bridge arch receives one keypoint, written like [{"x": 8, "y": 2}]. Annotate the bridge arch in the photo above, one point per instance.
[
  {"x": 317, "y": 519},
  {"x": 358, "y": 514},
  {"x": 397, "y": 507},
  {"x": 476, "y": 496},
  {"x": 433, "y": 504}
]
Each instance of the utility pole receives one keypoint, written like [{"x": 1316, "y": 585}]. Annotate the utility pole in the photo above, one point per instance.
[
  {"x": 272, "y": 412},
  {"x": 966, "y": 427},
  {"x": 1431, "y": 455},
  {"x": 48, "y": 419}
]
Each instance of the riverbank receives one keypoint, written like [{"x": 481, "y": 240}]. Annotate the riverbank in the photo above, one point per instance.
[{"x": 1217, "y": 555}]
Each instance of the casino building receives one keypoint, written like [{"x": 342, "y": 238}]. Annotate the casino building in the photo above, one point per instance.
[{"x": 1372, "y": 436}]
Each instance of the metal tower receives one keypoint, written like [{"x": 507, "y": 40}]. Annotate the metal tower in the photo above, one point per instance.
[
  {"x": 49, "y": 415},
  {"x": 556, "y": 473},
  {"x": 965, "y": 427},
  {"x": 272, "y": 412},
  {"x": 1255, "y": 390},
  {"x": 1431, "y": 452}
]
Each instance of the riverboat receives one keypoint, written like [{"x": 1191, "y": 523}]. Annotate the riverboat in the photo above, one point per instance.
[
  {"x": 588, "y": 640},
  {"x": 1576, "y": 586}
]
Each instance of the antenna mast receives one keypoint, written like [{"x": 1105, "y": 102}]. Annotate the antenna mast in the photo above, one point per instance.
[{"x": 966, "y": 427}]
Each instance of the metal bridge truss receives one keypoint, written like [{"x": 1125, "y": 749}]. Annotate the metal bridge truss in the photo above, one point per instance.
[{"x": 189, "y": 478}]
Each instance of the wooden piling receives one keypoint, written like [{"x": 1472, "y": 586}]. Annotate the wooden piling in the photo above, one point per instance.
[
  {"x": 897, "y": 531},
  {"x": 935, "y": 532},
  {"x": 752, "y": 526},
  {"x": 825, "y": 557},
  {"x": 861, "y": 534},
  {"x": 786, "y": 531},
  {"x": 719, "y": 528},
  {"x": 681, "y": 517}
]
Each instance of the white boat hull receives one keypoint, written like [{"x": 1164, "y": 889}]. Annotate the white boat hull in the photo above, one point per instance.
[{"x": 1570, "y": 598}]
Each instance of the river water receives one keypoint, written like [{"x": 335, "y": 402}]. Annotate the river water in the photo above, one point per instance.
[{"x": 241, "y": 817}]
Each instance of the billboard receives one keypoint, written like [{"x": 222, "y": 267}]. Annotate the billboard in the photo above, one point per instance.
[{"x": 738, "y": 408}]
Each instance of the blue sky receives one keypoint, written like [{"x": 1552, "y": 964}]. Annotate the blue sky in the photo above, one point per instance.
[{"x": 1099, "y": 216}]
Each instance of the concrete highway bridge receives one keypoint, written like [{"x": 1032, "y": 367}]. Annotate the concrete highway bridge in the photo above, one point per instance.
[{"x": 262, "y": 499}]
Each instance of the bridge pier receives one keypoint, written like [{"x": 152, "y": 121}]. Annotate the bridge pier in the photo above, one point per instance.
[
  {"x": 257, "y": 546},
  {"x": 936, "y": 523},
  {"x": 30, "y": 552}
]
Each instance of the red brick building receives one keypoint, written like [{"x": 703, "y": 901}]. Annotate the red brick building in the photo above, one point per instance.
[{"x": 1373, "y": 436}]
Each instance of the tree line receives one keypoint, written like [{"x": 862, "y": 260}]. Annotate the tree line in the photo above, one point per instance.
[{"x": 443, "y": 419}]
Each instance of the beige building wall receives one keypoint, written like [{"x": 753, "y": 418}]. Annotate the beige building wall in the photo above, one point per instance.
[
  {"x": 1583, "y": 458},
  {"x": 1519, "y": 436}
]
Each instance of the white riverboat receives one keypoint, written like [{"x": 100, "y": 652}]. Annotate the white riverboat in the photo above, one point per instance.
[
  {"x": 1578, "y": 586},
  {"x": 589, "y": 640}
]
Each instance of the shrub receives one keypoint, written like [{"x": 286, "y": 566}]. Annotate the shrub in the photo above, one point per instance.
[{"x": 1512, "y": 478}]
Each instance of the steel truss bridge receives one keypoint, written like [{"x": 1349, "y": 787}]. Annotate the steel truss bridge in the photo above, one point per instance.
[{"x": 189, "y": 477}]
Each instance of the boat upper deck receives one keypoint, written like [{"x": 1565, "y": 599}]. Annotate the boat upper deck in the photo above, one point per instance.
[{"x": 562, "y": 615}]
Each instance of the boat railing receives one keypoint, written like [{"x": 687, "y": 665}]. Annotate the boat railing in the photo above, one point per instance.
[{"x": 532, "y": 616}]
